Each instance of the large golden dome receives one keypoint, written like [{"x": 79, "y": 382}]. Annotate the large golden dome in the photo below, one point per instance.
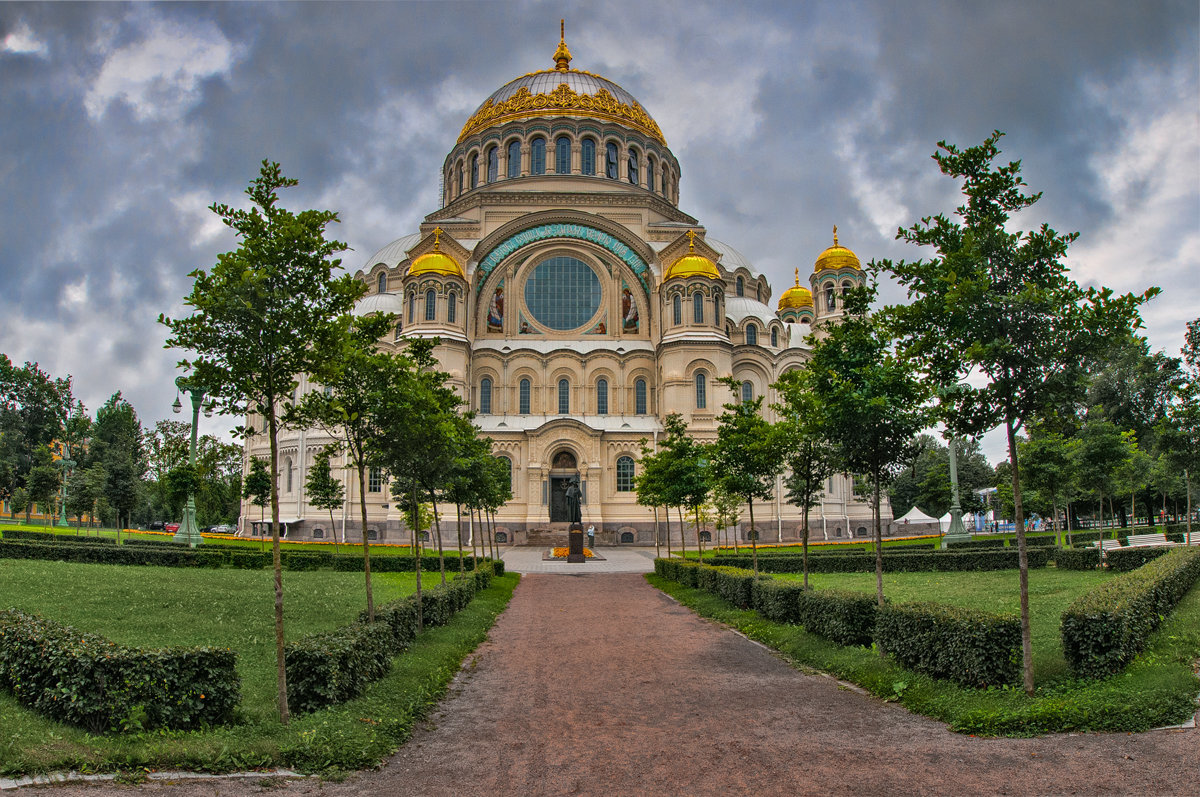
[
  {"x": 562, "y": 91},
  {"x": 796, "y": 297},
  {"x": 837, "y": 257}
]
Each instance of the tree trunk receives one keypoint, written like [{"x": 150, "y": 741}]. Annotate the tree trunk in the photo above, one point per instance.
[
  {"x": 462, "y": 565},
  {"x": 667, "y": 515},
  {"x": 415, "y": 533},
  {"x": 878, "y": 544},
  {"x": 682, "y": 538},
  {"x": 277, "y": 562},
  {"x": 699, "y": 542},
  {"x": 1187, "y": 482},
  {"x": 333, "y": 531},
  {"x": 753, "y": 537},
  {"x": 1022, "y": 559},
  {"x": 362, "y": 506},
  {"x": 657, "y": 541},
  {"x": 437, "y": 530},
  {"x": 804, "y": 544},
  {"x": 1057, "y": 531}
]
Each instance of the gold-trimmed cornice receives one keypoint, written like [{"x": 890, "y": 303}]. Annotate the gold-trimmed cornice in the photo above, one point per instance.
[
  {"x": 636, "y": 198},
  {"x": 562, "y": 101}
]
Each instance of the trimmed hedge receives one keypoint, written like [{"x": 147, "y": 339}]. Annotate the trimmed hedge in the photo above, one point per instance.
[
  {"x": 1077, "y": 559},
  {"x": 1123, "y": 560},
  {"x": 973, "y": 648},
  {"x": 1105, "y": 628},
  {"x": 112, "y": 555},
  {"x": 731, "y": 583},
  {"x": 895, "y": 562},
  {"x": 47, "y": 536},
  {"x": 86, "y": 680},
  {"x": 335, "y": 666}
]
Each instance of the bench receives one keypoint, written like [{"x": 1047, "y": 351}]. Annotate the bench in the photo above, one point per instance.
[
  {"x": 1150, "y": 541},
  {"x": 1107, "y": 545}
]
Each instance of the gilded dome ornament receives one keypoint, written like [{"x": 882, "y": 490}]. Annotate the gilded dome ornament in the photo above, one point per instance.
[
  {"x": 796, "y": 296},
  {"x": 692, "y": 264},
  {"x": 436, "y": 261},
  {"x": 562, "y": 56},
  {"x": 837, "y": 257}
]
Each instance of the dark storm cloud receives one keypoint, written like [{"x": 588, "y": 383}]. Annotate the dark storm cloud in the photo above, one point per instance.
[{"x": 787, "y": 118}]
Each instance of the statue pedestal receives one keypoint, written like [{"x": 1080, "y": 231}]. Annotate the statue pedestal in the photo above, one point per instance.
[{"x": 575, "y": 544}]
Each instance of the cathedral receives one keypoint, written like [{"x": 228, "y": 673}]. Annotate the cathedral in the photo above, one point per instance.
[{"x": 576, "y": 306}]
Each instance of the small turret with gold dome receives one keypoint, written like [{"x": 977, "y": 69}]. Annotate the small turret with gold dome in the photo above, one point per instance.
[
  {"x": 436, "y": 261},
  {"x": 692, "y": 264},
  {"x": 836, "y": 257},
  {"x": 795, "y": 297}
]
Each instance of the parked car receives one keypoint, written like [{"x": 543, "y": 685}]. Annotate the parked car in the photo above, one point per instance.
[
  {"x": 171, "y": 527},
  {"x": 223, "y": 529},
  {"x": 155, "y": 526}
]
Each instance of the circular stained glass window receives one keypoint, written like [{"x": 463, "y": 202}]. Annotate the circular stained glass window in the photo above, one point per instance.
[{"x": 562, "y": 293}]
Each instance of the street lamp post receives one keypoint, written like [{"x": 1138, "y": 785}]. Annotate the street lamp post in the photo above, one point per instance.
[
  {"x": 957, "y": 534},
  {"x": 66, "y": 465},
  {"x": 188, "y": 531}
]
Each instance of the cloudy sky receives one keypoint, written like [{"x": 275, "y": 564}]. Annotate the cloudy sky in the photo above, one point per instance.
[{"x": 121, "y": 123}]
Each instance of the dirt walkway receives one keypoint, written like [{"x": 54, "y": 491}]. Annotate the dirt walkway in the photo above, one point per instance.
[{"x": 599, "y": 684}]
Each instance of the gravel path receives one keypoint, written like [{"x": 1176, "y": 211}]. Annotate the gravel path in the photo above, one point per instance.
[{"x": 600, "y": 684}]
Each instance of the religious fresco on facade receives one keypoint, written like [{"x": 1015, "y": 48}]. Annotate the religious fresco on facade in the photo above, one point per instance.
[
  {"x": 525, "y": 328},
  {"x": 629, "y": 310},
  {"x": 601, "y": 328},
  {"x": 495, "y": 318}
]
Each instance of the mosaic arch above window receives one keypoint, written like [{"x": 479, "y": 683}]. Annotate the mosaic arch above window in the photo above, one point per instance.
[{"x": 580, "y": 232}]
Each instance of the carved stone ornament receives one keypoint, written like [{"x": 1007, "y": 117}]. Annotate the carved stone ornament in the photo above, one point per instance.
[{"x": 563, "y": 100}]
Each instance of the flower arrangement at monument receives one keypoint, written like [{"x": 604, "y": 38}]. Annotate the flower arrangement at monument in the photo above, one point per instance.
[{"x": 561, "y": 553}]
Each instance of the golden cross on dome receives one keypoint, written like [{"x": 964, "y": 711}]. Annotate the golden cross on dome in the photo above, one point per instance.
[
  {"x": 797, "y": 276},
  {"x": 835, "y": 243},
  {"x": 437, "y": 235},
  {"x": 562, "y": 56},
  {"x": 691, "y": 236}
]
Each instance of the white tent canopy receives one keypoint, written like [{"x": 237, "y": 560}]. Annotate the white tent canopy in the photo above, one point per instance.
[
  {"x": 944, "y": 521},
  {"x": 915, "y": 515}
]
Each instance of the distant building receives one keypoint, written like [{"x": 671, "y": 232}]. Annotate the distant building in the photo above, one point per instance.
[{"x": 577, "y": 305}]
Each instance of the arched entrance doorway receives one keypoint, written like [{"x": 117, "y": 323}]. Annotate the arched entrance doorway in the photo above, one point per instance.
[{"x": 563, "y": 470}]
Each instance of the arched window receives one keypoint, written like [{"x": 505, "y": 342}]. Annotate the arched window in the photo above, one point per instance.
[
  {"x": 493, "y": 163},
  {"x": 740, "y": 287},
  {"x": 485, "y": 396},
  {"x": 412, "y": 306},
  {"x": 830, "y": 300},
  {"x": 562, "y": 155},
  {"x": 697, "y": 308},
  {"x": 451, "y": 309},
  {"x": 663, "y": 185},
  {"x": 610, "y": 160},
  {"x": 514, "y": 159},
  {"x": 459, "y": 170},
  {"x": 774, "y": 337},
  {"x": 747, "y": 392},
  {"x": 639, "y": 397},
  {"x": 537, "y": 156},
  {"x": 717, "y": 318},
  {"x": 846, "y": 288},
  {"x": 624, "y": 474},
  {"x": 701, "y": 391},
  {"x": 381, "y": 284},
  {"x": 564, "y": 397},
  {"x": 677, "y": 302},
  {"x": 474, "y": 171},
  {"x": 602, "y": 397},
  {"x": 318, "y": 533},
  {"x": 588, "y": 156},
  {"x": 758, "y": 291},
  {"x": 430, "y": 304},
  {"x": 288, "y": 466},
  {"x": 523, "y": 397},
  {"x": 751, "y": 335},
  {"x": 633, "y": 166},
  {"x": 508, "y": 467},
  {"x": 650, "y": 172}
]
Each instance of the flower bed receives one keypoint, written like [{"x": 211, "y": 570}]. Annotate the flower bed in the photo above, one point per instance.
[{"x": 561, "y": 553}]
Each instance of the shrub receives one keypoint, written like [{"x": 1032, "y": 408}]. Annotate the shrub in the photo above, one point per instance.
[
  {"x": 778, "y": 600},
  {"x": 86, "y": 680},
  {"x": 732, "y": 584},
  {"x": 1077, "y": 559},
  {"x": 970, "y": 647},
  {"x": 846, "y": 617},
  {"x": 895, "y": 561},
  {"x": 336, "y": 666},
  {"x": 306, "y": 560},
  {"x": 48, "y": 536},
  {"x": 1105, "y": 628},
  {"x": 1122, "y": 560}
]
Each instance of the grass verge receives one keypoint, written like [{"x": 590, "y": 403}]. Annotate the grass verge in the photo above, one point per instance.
[
  {"x": 1158, "y": 688},
  {"x": 220, "y": 607}
]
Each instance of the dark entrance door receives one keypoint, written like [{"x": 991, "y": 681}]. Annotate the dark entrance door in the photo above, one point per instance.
[{"x": 558, "y": 499}]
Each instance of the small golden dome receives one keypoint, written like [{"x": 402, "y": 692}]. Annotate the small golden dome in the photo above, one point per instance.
[
  {"x": 836, "y": 257},
  {"x": 436, "y": 261},
  {"x": 796, "y": 296},
  {"x": 692, "y": 264}
]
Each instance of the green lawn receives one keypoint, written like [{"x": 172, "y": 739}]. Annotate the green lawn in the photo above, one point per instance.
[
  {"x": 153, "y": 606},
  {"x": 1158, "y": 688},
  {"x": 1050, "y": 592}
]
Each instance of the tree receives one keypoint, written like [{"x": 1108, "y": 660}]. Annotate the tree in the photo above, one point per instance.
[
  {"x": 33, "y": 410},
  {"x": 256, "y": 487},
  {"x": 684, "y": 480},
  {"x": 1180, "y": 430},
  {"x": 873, "y": 404},
  {"x": 810, "y": 456},
  {"x": 180, "y": 482},
  {"x": 264, "y": 314},
  {"x": 348, "y": 407},
  {"x": 323, "y": 490},
  {"x": 43, "y": 481},
  {"x": 727, "y": 509},
  {"x": 117, "y": 444},
  {"x": 1000, "y": 304},
  {"x": 219, "y": 475},
  {"x": 1132, "y": 475},
  {"x": 747, "y": 455},
  {"x": 1134, "y": 388},
  {"x": 1101, "y": 449},
  {"x": 1049, "y": 460},
  {"x": 649, "y": 485}
]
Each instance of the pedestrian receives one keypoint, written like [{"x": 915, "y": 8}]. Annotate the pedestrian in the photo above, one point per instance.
[{"x": 591, "y": 532}]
